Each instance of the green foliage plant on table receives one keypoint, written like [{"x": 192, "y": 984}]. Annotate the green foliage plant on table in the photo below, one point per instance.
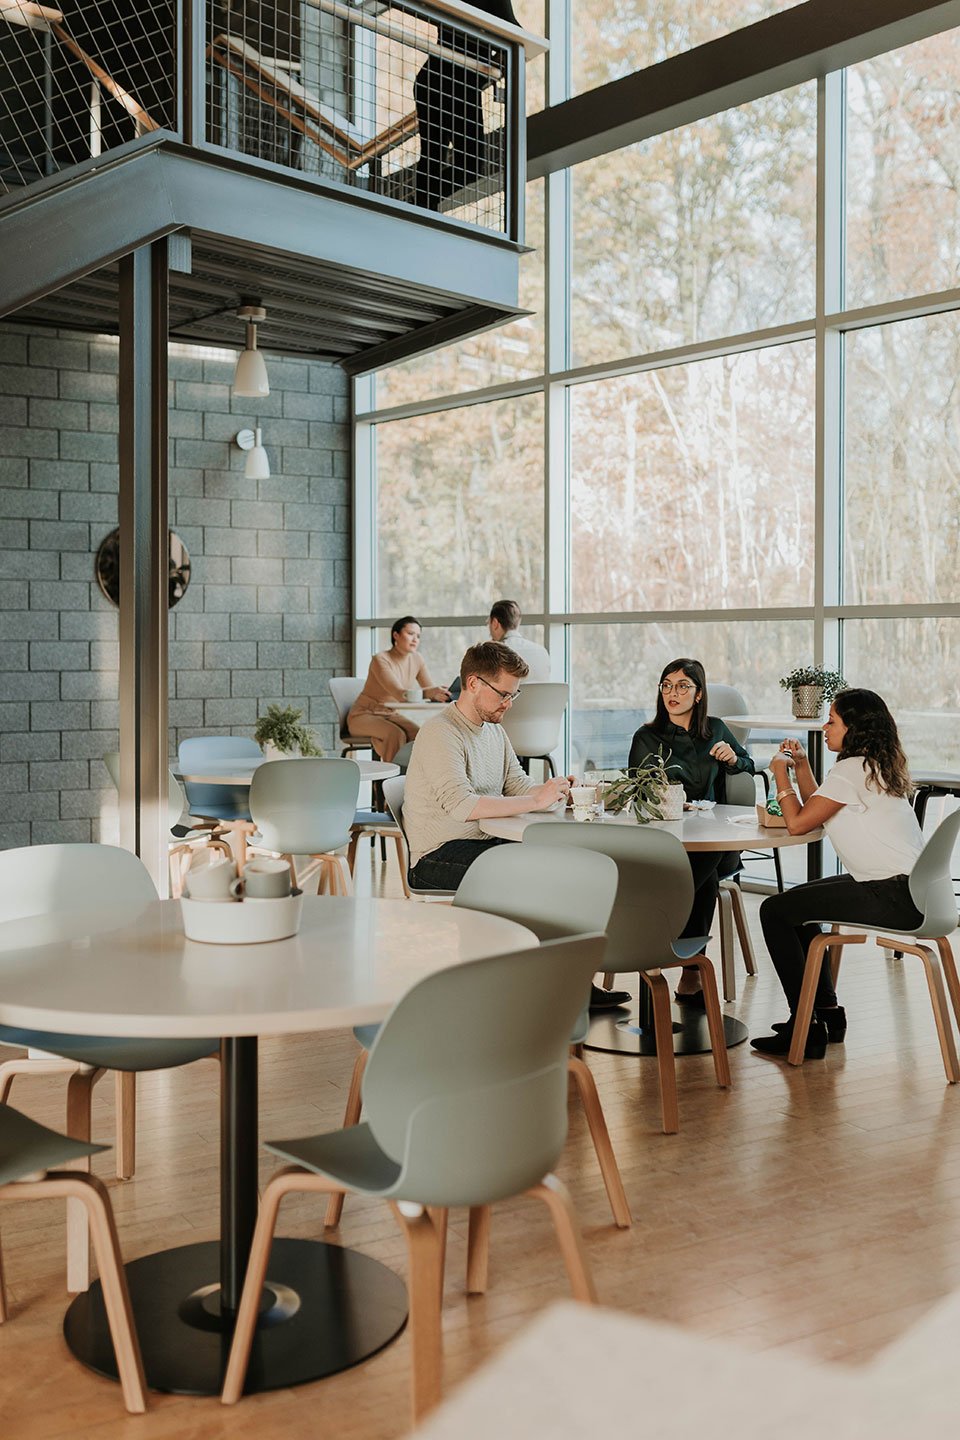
[
  {"x": 643, "y": 787},
  {"x": 829, "y": 681},
  {"x": 282, "y": 728}
]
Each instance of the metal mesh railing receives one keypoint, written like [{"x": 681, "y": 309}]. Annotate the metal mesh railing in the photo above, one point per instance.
[
  {"x": 77, "y": 81},
  {"x": 392, "y": 100}
]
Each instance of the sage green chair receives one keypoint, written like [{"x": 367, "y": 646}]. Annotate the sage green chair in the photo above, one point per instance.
[
  {"x": 479, "y": 1116},
  {"x": 306, "y": 807},
  {"x": 393, "y": 795},
  {"x": 931, "y": 889},
  {"x": 654, "y": 896},
  {"x": 91, "y": 882},
  {"x": 30, "y": 1157},
  {"x": 555, "y": 896}
]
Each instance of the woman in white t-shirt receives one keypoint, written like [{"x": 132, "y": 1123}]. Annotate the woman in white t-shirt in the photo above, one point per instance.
[{"x": 864, "y": 806}]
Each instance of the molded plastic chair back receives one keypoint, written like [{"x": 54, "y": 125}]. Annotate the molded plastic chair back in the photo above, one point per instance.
[
  {"x": 176, "y": 800},
  {"x": 723, "y": 700},
  {"x": 218, "y": 802},
  {"x": 740, "y": 788},
  {"x": 532, "y": 723},
  {"x": 931, "y": 886},
  {"x": 393, "y": 793},
  {"x": 473, "y": 1112},
  {"x": 26, "y": 1147},
  {"x": 345, "y": 690},
  {"x": 51, "y": 879},
  {"x": 305, "y": 807},
  {"x": 555, "y": 896},
  {"x": 654, "y": 891}
]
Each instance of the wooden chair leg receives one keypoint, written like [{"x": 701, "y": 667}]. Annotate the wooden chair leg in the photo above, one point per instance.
[
  {"x": 125, "y": 1093},
  {"x": 478, "y": 1249},
  {"x": 401, "y": 860},
  {"x": 440, "y": 1216},
  {"x": 808, "y": 990},
  {"x": 600, "y": 1135},
  {"x": 938, "y": 1001},
  {"x": 718, "y": 1038},
  {"x": 609, "y": 977},
  {"x": 557, "y": 1199},
  {"x": 743, "y": 929},
  {"x": 352, "y": 850},
  {"x": 32, "y": 1065},
  {"x": 351, "y": 1116},
  {"x": 727, "y": 959},
  {"x": 79, "y": 1105},
  {"x": 949, "y": 964},
  {"x": 424, "y": 1252},
  {"x": 3, "y": 1291},
  {"x": 666, "y": 1064}
]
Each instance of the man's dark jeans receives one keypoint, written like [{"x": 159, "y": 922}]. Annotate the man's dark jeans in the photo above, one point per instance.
[{"x": 445, "y": 867}]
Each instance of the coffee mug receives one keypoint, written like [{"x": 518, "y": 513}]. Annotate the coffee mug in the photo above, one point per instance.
[
  {"x": 414, "y": 696},
  {"x": 264, "y": 879},
  {"x": 583, "y": 796},
  {"x": 211, "y": 880}
]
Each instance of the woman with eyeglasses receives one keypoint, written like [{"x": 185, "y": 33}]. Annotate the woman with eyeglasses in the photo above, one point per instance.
[
  {"x": 391, "y": 674},
  {"x": 864, "y": 806},
  {"x": 701, "y": 752}
]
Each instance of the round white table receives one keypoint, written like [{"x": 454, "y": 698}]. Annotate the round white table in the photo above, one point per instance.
[
  {"x": 725, "y": 827},
  {"x": 781, "y": 725},
  {"x": 415, "y": 710},
  {"x": 133, "y": 973},
  {"x": 231, "y": 772}
]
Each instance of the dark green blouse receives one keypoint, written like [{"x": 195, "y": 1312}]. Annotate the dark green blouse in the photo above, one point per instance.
[{"x": 689, "y": 757}]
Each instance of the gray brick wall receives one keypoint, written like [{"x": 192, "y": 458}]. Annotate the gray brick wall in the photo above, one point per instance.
[{"x": 267, "y": 614}]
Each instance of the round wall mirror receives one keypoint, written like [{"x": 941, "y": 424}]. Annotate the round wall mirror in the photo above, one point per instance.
[{"x": 108, "y": 568}]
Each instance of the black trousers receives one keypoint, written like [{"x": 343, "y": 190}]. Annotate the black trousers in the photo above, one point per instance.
[
  {"x": 788, "y": 923},
  {"x": 709, "y": 868},
  {"x": 445, "y": 867},
  {"x": 450, "y": 124}
]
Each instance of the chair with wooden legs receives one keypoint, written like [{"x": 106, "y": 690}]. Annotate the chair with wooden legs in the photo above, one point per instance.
[
  {"x": 187, "y": 834},
  {"x": 95, "y": 885},
  {"x": 554, "y": 896},
  {"x": 30, "y": 1161},
  {"x": 225, "y": 806},
  {"x": 377, "y": 825},
  {"x": 480, "y": 1117},
  {"x": 654, "y": 895},
  {"x": 306, "y": 807},
  {"x": 931, "y": 889},
  {"x": 393, "y": 794}
]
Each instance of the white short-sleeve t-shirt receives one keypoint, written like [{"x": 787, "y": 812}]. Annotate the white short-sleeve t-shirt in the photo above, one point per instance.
[{"x": 876, "y": 835}]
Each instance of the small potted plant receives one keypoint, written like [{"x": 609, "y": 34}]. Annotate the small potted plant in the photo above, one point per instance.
[
  {"x": 281, "y": 734},
  {"x": 647, "y": 788},
  {"x": 811, "y": 686}
]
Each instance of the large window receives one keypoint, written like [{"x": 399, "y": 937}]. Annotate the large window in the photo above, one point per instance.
[{"x": 647, "y": 470}]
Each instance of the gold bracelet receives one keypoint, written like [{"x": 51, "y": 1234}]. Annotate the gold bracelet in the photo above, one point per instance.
[{"x": 782, "y": 794}]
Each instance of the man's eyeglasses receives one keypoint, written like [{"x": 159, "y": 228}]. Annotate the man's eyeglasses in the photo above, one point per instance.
[
  {"x": 507, "y": 696},
  {"x": 681, "y": 687}
]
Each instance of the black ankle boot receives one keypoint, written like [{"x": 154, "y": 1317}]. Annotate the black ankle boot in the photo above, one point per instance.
[
  {"x": 834, "y": 1021},
  {"x": 779, "y": 1044}
]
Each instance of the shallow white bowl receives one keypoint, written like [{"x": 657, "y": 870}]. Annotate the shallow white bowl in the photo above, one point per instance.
[{"x": 242, "y": 922}]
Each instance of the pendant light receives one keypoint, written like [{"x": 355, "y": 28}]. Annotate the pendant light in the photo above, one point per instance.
[{"x": 250, "y": 377}]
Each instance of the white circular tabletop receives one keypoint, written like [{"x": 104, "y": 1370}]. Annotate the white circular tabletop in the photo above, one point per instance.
[
  {"x": 786, "y": 723},
  {"x": 725, "y": 827},
  {"x": 133, "y": 972},
  {"x": 231, "y": 772},
  {"x": 415, "y": 705}
]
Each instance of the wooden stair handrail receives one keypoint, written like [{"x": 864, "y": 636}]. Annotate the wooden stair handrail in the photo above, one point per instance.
[
  {"x": 131, "y": 105},
  {"x": 25, "y": 12}
]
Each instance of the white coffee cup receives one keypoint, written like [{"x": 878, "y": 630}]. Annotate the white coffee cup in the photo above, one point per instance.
[
  {"x": 584, "y": 797},
  {"x": 413, "y": 696},
  {"x": 264, "y": 879},
  {"x": 211, "y": 880}
]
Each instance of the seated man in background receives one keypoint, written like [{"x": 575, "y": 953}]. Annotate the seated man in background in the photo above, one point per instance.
[
  {"x": 504, "y": 626},
  {"x": 463, "y": 770}
]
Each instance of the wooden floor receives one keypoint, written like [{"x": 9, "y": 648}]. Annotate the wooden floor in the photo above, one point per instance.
[{"x": 813, "y": 1210}]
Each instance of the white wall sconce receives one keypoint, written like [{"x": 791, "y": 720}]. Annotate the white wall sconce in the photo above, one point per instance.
[
  {"x": 257, "y": 466},
  {"x": 250, "y": 377}
]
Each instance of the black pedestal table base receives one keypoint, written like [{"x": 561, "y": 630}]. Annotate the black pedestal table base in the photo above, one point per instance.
[
  {"x": 627, "y": 1031},
  {"x": 324, "y": 1309}
]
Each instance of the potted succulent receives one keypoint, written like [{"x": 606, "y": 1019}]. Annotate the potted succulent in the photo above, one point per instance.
[
  {"x": 811, "y": 686},
  {"x": 281, "y": 734},
  {"x": 647, "y": 788}
]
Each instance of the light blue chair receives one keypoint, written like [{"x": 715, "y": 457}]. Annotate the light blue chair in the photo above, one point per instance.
[
  {"x": 91, "y": 882},
  {"x": 555, "y": 896},
  {"x": 466, "y": 1098},
  {"x": 217, "y": 802},
  {"x": 30, "y": 1155},
  {"x": 306, "y": 807}
]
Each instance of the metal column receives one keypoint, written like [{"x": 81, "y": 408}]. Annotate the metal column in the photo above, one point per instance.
[{"x": 144, "y": 826}]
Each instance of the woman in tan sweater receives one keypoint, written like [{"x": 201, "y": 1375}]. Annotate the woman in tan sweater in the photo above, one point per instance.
[{"x": 391, "y": 674}]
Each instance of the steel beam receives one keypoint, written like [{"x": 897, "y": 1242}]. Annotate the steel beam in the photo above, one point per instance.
[{"x": 144, "y": 824}]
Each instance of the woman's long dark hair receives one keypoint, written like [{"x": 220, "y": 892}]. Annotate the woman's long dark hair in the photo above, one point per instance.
[
  {"x": 402, "y": 624},
  {"x": 699, "y": 725},
  {"x": 873, "y": 737}
]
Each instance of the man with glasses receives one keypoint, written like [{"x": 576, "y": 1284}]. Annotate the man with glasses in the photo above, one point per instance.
[{"x": 463, "y": 770}]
